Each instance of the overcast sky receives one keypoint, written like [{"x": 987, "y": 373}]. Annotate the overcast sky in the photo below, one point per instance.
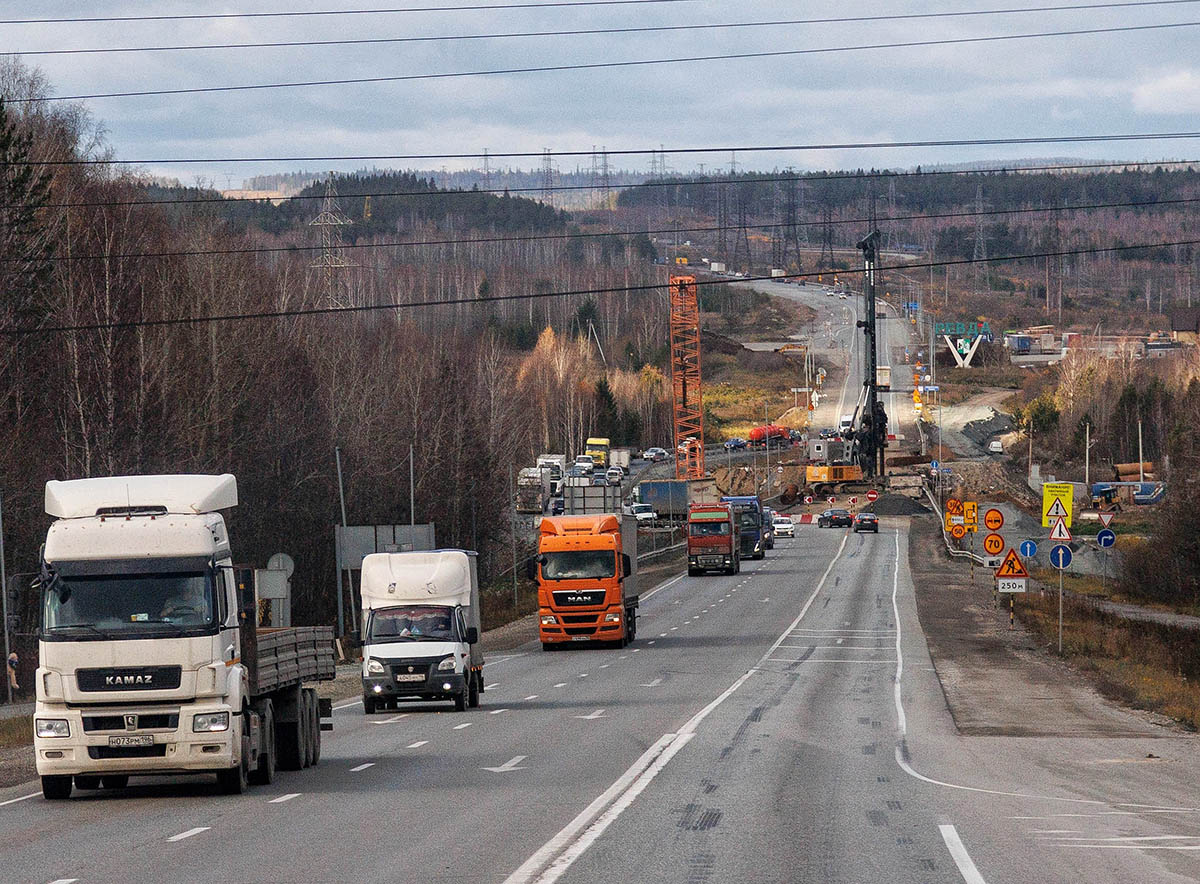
[{"x": 1108, "y": 83}]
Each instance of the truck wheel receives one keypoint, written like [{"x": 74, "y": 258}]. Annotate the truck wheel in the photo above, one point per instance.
[
  {"x": 368, "y": 705},
  {"x": 549, "y": 646},
  {"x": 115, "y": 781},
  {"x": 632, "y": 620},
  {"x": 56, "y": 788},
  {"x": 316, "y": 728},
  {"x": 692, "y": 572},
  {"x": 473, "y": 693},
  {"x": 289, "y": 736},
  {"x": 308, "y": 707},
  {"x": 236, "y": 780},
  {"x": 87, "y": 782},
  {"x": 460, "y": 699},
  {"x": 264, "y": 774}
]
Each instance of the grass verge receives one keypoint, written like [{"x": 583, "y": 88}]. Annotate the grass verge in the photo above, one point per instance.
[
  {"x": 1148, "y": 666},
  {"x": 16, "y": 731}
]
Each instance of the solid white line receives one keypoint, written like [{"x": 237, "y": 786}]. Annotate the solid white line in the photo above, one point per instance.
[
  {"x": 189, "y": 833},
  {"x": 417, "y": 745},
  {"x": 393, "y": 719},
  {"x": 283, "y": 798},
  {"x": 64, "y": 881},
  {"x": 1122, "y": 838},
  {"x": 811, "y": 660},
  {"x": 575, "y": 838},
  {"x": 22, "y": 798},
  {"x": 662, "y": 586},
  {"x": 901, "y": 720},
  {"x": 504, "y": 659},
  {"x": 459, "y": 727},
  {"x": 958, "y": 852},
  {"x": 835, "y": 647}
]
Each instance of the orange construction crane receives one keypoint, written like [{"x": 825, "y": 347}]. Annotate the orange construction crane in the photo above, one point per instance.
[{"x": 685, "y": 378}]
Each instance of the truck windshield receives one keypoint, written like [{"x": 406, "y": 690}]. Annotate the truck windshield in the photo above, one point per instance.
[
  {"x": 708, "y": 529},
  {"x": 579, "y": 564},
  {"x": 412, "y": 623},
  {"x": 129, "y": 606},
  {"x": 748, "y": 519}
]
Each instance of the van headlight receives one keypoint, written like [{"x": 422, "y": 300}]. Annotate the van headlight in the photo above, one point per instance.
[
  {"x": 210, "y": 722},
  {"x": 53, "y": 727},
  {"x": 375, "y": 667},
  {"x": 446, "y": 665}
]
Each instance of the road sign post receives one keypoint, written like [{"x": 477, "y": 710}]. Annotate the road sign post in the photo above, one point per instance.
[
  {"x": 1105, "y": 539},
  {"x": 1060, "y": 558}
]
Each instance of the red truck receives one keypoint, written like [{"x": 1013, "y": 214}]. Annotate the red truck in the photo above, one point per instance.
[
  {"x": 712, "y": 542},
  {"x": 777, "y": 435}
]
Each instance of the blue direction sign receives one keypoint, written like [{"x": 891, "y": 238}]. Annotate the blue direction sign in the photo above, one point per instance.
[
  {"x": 1028, "y": 549},
  {"x": 933, "y": 464},
  {"x": 1060, "y": 556},
  {"x": 1106, "y": 538}
]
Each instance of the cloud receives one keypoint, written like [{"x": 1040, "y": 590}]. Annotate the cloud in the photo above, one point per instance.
[{"x": 1173, "y": 93}]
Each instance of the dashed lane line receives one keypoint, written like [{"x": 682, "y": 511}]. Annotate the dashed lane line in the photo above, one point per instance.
[
  {"x": 532, "y": 697},
  {"x": 22, "y": 798},
  {"x": 497, "y": 711},
  {"x": 362, "y": 767},
  {"x": 188, "y": 834},
  {"x": 465, "y": 724},
  {"x": 958, "y": 852},
  {"x": 282, "y": 798},
  {"x": 417, "y": 745}
]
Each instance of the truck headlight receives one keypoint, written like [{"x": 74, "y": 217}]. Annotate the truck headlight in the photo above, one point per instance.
[
  {"x": 53, "y": 727},
  {"x": 549, "y": 620},
  {"x": 375, "y": 667},
  {"x": 446, "y": 665},
  {"x": 210, "y": 722},
  {"x": 614, "y": 617}
]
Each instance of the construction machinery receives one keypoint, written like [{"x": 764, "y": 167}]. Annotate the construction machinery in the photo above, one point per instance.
[{"x": 685, "y": 378}]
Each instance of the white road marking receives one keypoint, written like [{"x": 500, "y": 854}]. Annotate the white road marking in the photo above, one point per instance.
[
  {"x": 653, "y": 684},
  {"x": 662, "y": 635},
  {"x": 497, "y": 711},
  {"x": 417, "y": 745},
  {"x": 64, "y": 881},
  {"x": 673, "y": 628},
  {"x": 835, "y": 647},
  {"x": 561, "y": 684},
  {"x": 189, "y": 833},
  {"x": 767, "y": 599},
  {"x": 1136, "y": 846},
  {"x": 605, "y": 665},
  {"x": 652, "y": 641},
  {"x": 663, "y": 586},
  {"x": 362, "y": 767},
  {"x": 1121, "y": 838},
  {"x": 583, "y": 675},
  {"x": 459, "y": 727},
  {"x": 503, "y": 659},
  {"x": 532, "y": 697},
  {"x": 840, "y": 640},
  {"x": 22, "y": 798},
  {"x": 961, "y": 858},
  {"x": 635, "y": 650},
  {"x": 592, "y": 716},
  {"x": 393, "y": 719},
  {"x": 550, "y": 861},
  {"x": 347, "y": 705},
  {"x": 512, "y": 764},
  {"x": 283, "y": 798},
  {"x": 492, "y": 687}
]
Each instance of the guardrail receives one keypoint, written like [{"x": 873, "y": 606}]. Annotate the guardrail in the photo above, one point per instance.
[{"x": 954, "y": 552}]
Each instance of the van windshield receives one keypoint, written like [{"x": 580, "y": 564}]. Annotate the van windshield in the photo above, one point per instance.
[
  {"x": 412, "y": 623},
  {"x": 127, "y": 606},
  {"x": 579, "y": 564}
]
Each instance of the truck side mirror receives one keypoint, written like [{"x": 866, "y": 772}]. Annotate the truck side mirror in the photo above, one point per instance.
[
  {"x": 531, "y": 566},
  {"x": 626, "y": 565},
  {"x": 247, "y": 608},
  {"x": 472, "y": 635}
]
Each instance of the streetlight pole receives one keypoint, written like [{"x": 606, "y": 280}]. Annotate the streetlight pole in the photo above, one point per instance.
[
  {"x": 4, "y": 593},
  {"x": 767, "y": 441}
]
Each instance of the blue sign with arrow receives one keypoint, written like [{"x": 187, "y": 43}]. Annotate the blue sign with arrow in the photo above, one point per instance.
[
  {"x": 1028, "y": 549},
  {"x": 933, "y": 464},
  {"x": 1106, "y": 538},
  {"x": 1060, "y": 556}
]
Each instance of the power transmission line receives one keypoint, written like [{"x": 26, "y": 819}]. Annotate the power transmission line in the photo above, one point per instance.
[
  {"x": 210, "y": 16},
  {"x": 604, "y": 65},
  {"x": 547, "y": 156},
  {"x": 578, "y": 32},
  {"x": 527, "y": 296},
  {"x": 827, "y": 223}
]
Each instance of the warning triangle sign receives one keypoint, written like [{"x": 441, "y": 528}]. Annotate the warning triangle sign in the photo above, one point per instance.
[
  {"x": 1106, "y": 519},
  {"x": 1012, "y": 566},
  {"x": 1057, "y": 510},
  {"x": 1060, "y": 531}
]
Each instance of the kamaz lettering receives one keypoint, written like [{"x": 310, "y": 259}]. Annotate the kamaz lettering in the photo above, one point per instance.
[{"x": 115, "y": 680}]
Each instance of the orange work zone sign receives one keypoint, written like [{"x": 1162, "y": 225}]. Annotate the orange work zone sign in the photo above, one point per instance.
[{"x": 1012, "y": 566}]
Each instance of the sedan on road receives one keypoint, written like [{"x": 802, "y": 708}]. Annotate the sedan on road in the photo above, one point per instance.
[
  {"x": 866, "y": 522},
  {"x": 735, "y": 444},
  {"x": 784, "y": 527},
  {"x": 614, "y": 475},
  {"x": 835, "y": 519},
  {"x": 654, "y": 455}
]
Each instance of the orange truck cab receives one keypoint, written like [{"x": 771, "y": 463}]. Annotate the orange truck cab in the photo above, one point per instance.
[
  {"x": 712, "y": 542},
  {"x": 586, "y": 569}
]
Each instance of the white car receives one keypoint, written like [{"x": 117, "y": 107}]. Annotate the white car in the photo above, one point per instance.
[
  {"x": 783, "y": 527},
  {"x": 655, "y": 454},
  {"x": 643, "y": 512},
  {"x": 614, "y": 475}
]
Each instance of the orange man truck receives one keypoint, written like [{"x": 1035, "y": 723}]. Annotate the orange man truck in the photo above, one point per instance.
[
  {"x": 712, "y": 542},
  {"x": 586, "y": 569}
]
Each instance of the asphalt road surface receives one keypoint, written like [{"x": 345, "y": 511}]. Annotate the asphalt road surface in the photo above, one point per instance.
[{"x": 780, "y": 725}]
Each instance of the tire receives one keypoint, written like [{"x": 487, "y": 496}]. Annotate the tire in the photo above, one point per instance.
[
  {"x": 692, "y": 572},
  {"x": 56, "y": 788},
  {"x": 460, "y": 699},
  {"x": 307, "y": 708},
  {"x": 549, "y": 646},
  {"x": 473, "y": 692},
  {"x": 264, "y": 773},
  {"x": 236, "y": 780},
  {"x": 368, "y": 705},
  {"x": 631, "y": 634},
  {"x": 87, "y": 782},
  {"x": 114, "y": 781},
  {"x": 316, "y": 737},
  {"x": 289, "y": 738}
]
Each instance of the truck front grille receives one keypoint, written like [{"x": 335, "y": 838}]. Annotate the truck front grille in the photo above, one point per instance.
[
  {"x": 567, "y": 597},
  {"x": 145, "y": 721},
  {"x": 579, "y": 618},
  {"x": 578, "y": 630},
  {"x": 159, "y": 750},
  {"x": 129, "y": 678}
]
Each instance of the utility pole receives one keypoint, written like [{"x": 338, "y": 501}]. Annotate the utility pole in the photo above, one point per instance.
[
  {"x": 767, "y": 440},
  {"x": 1141, "y": 460},
  {"x": 337, "y": 455},
  {"x": 4, "y": 612},
  {"x": 412, "y": 500},
  {"x": 1087, "y": 456},
  {"x": 513, "y": 538},
  {"x": 331, "y": 261},
  {"x": 878, "y": 422}
]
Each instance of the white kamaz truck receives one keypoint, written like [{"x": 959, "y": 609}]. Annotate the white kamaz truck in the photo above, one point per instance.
[
  {"x": 421, "y": 628},
  {"x": 151, "y": 659}
]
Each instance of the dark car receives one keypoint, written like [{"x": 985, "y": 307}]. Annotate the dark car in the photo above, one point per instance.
[
  {"x": 866, "y": 522},
  {"x": 828, "y": 433},
  {"x": 768, "y": 528},
  {"x": 599, "y": 479},
  {"x": 735, "y": 444},
  {"x": 835, "y": 519}
]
